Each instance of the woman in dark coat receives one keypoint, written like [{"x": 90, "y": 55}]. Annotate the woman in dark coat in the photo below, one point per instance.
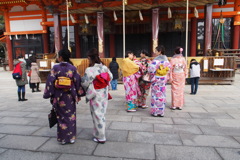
[
  {"x": 23, "y": 81},
  {"x": 64, "y": 100},
  {"x": 113, "y": 66}
]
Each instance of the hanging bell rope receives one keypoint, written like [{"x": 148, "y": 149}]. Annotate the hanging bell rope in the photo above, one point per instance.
[
  {"x": 68, "y": 32},
  {"x": 220, "y": 33}
]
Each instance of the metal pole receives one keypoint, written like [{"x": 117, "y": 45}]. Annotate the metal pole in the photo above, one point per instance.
[
  {"x": 186, "y": 47},
  {"x": 124, "y": 47},
  {"x": 68, "y": 32}
]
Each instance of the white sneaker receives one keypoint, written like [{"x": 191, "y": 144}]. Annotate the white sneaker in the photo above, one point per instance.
[{"x": 63, "y": 142}]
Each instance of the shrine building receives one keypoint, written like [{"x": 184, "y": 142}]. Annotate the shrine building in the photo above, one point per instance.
[{"x": 37, "y": 27}]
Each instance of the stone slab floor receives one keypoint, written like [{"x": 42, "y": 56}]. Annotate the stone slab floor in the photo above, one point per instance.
[{"x": 208, "y": 128}]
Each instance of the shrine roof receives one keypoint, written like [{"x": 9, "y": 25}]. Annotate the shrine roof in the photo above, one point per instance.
[{"x": 91, "y": 6}]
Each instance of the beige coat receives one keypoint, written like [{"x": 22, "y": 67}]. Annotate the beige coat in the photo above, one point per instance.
[{"x": 35, "y": 73}]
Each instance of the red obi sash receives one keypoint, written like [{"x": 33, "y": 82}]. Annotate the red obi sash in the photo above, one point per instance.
[{"x": 101, "y": 81}]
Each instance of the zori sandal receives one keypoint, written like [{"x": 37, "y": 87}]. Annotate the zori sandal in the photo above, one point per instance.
[{"x": 98, "y": 141}]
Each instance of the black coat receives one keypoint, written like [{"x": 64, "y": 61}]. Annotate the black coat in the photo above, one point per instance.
[{"x": 113, "y": 66}]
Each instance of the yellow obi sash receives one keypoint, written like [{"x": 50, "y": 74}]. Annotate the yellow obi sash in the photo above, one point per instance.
[
  {"x": 129, "y": 67},
  {"x": 161, "y": 71}
]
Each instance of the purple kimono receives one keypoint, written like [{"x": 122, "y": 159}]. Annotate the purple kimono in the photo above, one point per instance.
[{"x": 64, "y": 100}]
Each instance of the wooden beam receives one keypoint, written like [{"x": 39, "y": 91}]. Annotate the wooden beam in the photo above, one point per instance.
[
  {"x": 24, "y": 13},
  {"x": 26, "y": 32}
]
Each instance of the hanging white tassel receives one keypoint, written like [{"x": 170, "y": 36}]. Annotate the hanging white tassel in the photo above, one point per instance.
[
  {"x": 72, "y": 19},
  {"x": 169, "y": 12},
  {"x": 86, "y": 19},
  {"x": 16, "y": 36},
  {"x": 140, "y": 15},
  {"x": 10, "y": 37},
  {"x": 115, "y": 16},
  {"x": 196, "y": 12},
  {"x": 26, "y": 36}
]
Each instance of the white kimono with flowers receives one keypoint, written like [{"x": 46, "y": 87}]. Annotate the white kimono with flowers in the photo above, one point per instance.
[{"x": 98, "y": 98}]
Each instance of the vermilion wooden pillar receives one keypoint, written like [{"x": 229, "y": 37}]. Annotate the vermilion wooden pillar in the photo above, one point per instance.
[
  {"x": 45, "y": 35},
  {"x": 155, "y": 28},
  {"x": 8, "y": 41},
  {"x": 10, "y": 53},
  {"x": 207, "y": 28},
  {"x": 100, "y": 32},
  {"x": 236, "y": 37},
  {"x": 236, "y": 29},
  {"x": 112, "y": 46},
  {"x": 77, "y": 40},
  {"x": 193, "y": 37},
  {"x": 57, "y": 31}
]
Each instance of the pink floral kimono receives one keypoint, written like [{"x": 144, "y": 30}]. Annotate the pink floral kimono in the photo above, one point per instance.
[
  {"x": 131, "y": 74},
  {"x": 159, "y": 69},
  {"x": 177, "y": 77}
]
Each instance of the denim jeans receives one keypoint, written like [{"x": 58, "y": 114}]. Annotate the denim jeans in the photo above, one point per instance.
[
  {"x": 114, "y": 84},
  {"x": 21, "y": 88},
  {"x": 194, "y": 85}
]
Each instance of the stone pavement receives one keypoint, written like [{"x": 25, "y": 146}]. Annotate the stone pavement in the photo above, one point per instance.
[{"x": 208, "y": 128}]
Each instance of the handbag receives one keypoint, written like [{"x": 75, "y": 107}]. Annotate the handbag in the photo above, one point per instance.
[
  {"x": 52, "y": 118},
  {"x": 146, "y": 77},
  {"x": 16, "y": 76},
  {"x": 188, "y": 80},
  {"x": 63, "y": 82},
  {"x": 17, "y": 72},
  {"x": 109, "y": 96},
  {"x": 29, "y": 73}
]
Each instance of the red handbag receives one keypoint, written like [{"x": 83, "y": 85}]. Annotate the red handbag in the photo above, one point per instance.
[
  {"x": 109, "y": 96},
  {"x": 29, "y": 73}
]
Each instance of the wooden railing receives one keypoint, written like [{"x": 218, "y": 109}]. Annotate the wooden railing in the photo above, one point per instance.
[
  {"x": 231, "y": 52},
  {"x": 208, "y": 77}
]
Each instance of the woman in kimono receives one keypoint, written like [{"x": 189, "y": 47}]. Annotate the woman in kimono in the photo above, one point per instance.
[
  {"x": 131, "y": 74},
  {"x": 64, "y": 99},
  {"x": 144, "y": 84},
  {"x": 158, "y": 70},
  {"x": 96, "y": 83},
  {"x": 177, "y": 77}
]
